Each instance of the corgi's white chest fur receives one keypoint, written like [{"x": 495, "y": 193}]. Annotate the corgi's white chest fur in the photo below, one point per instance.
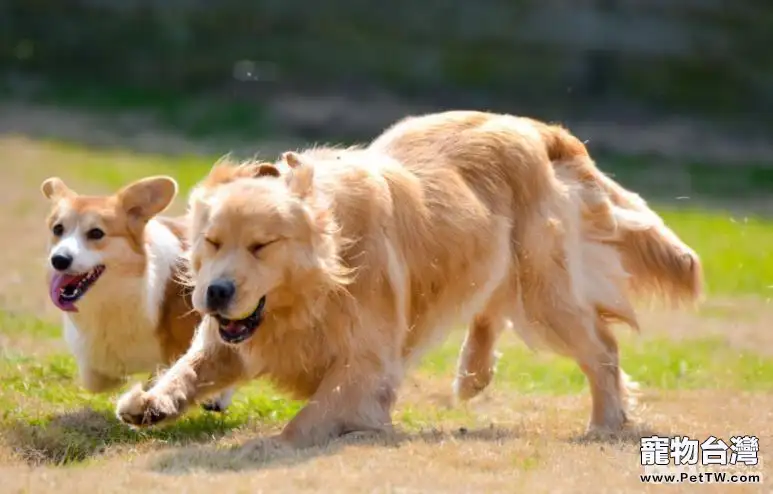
[{"x": 115, "y": 330}]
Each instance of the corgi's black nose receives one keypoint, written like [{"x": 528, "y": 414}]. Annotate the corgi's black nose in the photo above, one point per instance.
[
  {"x": 61, "y": 262},
  {"x": 219, "y": 294}
]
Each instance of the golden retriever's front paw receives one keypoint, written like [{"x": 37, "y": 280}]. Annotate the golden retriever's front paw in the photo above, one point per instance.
[{"x": 140, "y": 408}]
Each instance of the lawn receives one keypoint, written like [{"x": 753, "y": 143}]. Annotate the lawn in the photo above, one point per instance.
[{"x": 704, "y": 372}]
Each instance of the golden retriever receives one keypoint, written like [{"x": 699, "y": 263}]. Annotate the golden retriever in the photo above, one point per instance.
[{"x": 333, "y": 270}]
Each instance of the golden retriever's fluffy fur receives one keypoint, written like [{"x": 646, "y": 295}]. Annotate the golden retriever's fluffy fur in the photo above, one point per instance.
[{"x": 367, "y": 257}]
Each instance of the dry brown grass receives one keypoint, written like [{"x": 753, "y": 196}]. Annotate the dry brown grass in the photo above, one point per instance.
[{"x": 532, "y": 445}]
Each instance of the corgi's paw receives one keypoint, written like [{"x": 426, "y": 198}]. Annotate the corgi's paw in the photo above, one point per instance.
[
  {"x": 220, "y": 402},
  {"x": 140, "y": 408},
  {"x": 212, "y": 406}
]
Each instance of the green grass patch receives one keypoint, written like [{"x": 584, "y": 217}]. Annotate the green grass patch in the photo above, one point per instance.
[
  {"x": 47, "y": 418},
  {"x": 707, "y": 363},
  {"x": 13, "y": 324},
  {"x": 112, "y": 169}
]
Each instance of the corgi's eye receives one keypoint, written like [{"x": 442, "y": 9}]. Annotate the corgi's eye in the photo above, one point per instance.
[
  {"x": 58, "y": 230},
  {"x": 95, "y": 234},
  {"x": 214, "y": 243}
]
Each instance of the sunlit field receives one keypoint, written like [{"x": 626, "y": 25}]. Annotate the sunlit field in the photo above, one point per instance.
[{"x": 702, "y": 372}]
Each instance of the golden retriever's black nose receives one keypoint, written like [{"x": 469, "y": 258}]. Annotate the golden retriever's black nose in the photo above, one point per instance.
[
  {"x": 61, "y": 262},
  {"x": 219, "y": 294}
]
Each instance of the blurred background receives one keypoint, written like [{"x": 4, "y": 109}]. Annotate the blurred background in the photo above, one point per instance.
[
  {"x": 667, "y": 94},
  {"x": 674, "y": 98}
]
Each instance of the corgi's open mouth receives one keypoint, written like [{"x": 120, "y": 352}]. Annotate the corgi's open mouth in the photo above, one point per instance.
[
  {"x": 66, "y": 289},
  {"x": 238, "y": 330}
]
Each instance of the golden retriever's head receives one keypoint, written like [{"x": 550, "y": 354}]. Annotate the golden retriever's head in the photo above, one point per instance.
[{"x": 258, "y": 241}]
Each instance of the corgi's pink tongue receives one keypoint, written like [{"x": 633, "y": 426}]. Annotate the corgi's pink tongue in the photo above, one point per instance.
[{"x": 58, "y": 282}]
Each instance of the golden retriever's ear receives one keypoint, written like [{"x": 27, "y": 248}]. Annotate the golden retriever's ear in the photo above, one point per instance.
[
  {"x": 54, "y": 188},
  {"x": 267, "y": 170},
  {"x": 300, "y": 179},
  {"x": 292, "y": 159},
  {"x": 263, "y": 170},
  {"x": 148, "y": 197}
]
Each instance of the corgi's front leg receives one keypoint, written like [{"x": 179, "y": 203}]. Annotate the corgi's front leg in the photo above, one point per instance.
[
  {"x": 220, "y": 403},
  {"x": 90, "y": 379}
]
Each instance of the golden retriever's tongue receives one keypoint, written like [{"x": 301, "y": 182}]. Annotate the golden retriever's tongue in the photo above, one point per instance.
[{"x": 59, "y": 281}]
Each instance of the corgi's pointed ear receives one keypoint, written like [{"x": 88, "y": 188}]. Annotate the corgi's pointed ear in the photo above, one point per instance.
[
  {"x": 300, "y": 179},
  {"x": 54, "y": 188},
  {"x": 148, "y": 197}
]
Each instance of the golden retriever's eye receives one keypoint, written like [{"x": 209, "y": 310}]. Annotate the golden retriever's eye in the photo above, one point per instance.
[
  {"x": 95, "y": 234},
  {"x": 214, "y": 243},
  {"x": 256, "y": 247},
  {"x": 58, "y": 230}
]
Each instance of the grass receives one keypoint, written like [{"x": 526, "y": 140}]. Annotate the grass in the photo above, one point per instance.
[
  {"x": 68, "y": 425},
  {"x": 89, "y": 166},
  {"x": 704, "y": 363},
  {"x": 525, "y": 426}
]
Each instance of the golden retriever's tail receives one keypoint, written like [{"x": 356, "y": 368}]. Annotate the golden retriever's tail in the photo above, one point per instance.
[{"x": 659, "y": 262}]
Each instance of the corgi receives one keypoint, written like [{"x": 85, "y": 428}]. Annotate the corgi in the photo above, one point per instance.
[
  {"x": 333, "y": 271},
  {"x": 113, "y": 269}
]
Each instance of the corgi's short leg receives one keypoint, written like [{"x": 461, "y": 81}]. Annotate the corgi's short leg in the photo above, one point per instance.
[{"x": 220, "y": 402}]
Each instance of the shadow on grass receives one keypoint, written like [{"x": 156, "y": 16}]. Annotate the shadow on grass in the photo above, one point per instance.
[
  {"x": 632, "y": 434},
  {"x": 84, "y": 434},
  {"x": 267, "y": 452}
]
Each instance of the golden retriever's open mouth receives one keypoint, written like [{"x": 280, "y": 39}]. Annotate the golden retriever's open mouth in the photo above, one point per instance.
[
  {"x": 238, "y": 330},
  {"x": 66, "y": 289}
]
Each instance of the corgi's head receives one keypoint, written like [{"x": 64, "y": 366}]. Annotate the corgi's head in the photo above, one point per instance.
[
  {"x": 93, "y": 234},
  {"x": 256, "y": 243}
]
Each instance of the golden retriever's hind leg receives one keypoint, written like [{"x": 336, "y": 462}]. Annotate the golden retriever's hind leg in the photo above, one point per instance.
[
  {"x": 628, "y": 388},
  {"x": 597, "y": 354},
  {"x": 580, "y": 333},
  {"x": 478, "y": 357}
]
